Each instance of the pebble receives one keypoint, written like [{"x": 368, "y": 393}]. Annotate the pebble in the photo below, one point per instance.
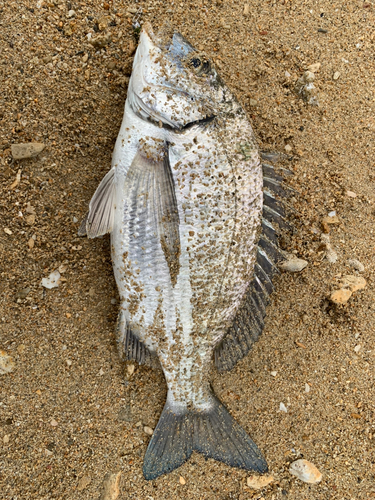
[
  {"x": 69, "y": 362},
  {"x": 274, "y": 374},
  {"x": 306, "y": 89},
  {"x": 336, "y": 75},
  {"x": 287, "y": 74},
  {"x": 357, "y": 348},
  {"x": 354, "y": 283},
  {"x": 22, "y": 294},
  {"x": 259, "y": 482},
  {"x": 17, "y": 180},
  {"x": 83, "y": 483},
  {"x": 54, "y": 423},
  {"x": 351, "y": 194},
  {"x": 246, "y": 9},
  {"x": 341, "y": 296},
  {"x": 357, "y": 265},
  {"x": 52, "y": 281},
  {"x": 130, "y": 369},
  {"x": 85, "y": 57},
  {"x": 253, "y": 102},
  {"x": 305, "y": 471},
  {"x": 26, "y": 150},
  {"x": 148, "y": 430},
  {"x": 314, "y": 67},
  {"x": 283, "y": 408},
  {"x": 6, "y": 439},
  {"x": 31, "y": 243},
  {"x": 7, "y": 231},
  {"x": 307, "y": 388},
  {"x": 293, "y": 264},
  {"x": 71, "y": 13},
  {"x": 182, "y": 480},
  {"x": 7, "y": 364},
  {"x": 111, "y": 486},
  {"x": 288, "y": 148},
  {"x": 330, "y": 252}
]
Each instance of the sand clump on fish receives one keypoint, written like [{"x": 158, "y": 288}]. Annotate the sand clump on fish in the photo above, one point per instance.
[{"x": 193, "y": 217}]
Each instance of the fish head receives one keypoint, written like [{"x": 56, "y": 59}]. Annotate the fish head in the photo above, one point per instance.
[{"x": 172, "y": 84}]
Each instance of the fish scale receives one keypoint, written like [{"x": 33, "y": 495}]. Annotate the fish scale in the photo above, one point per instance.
[{"x": 192, "y": 257}]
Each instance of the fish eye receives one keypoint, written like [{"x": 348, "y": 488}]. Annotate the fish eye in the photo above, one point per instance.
[{"x": 195, "y": 62}]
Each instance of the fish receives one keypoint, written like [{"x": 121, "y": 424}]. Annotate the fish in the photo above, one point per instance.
[{"x": 193, "y": 218}]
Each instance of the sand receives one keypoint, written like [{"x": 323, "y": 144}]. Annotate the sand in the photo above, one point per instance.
[{"x": 70, "y": 411}]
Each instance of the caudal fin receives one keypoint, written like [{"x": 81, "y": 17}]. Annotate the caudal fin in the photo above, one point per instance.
[{"x": 214, "y": 433}]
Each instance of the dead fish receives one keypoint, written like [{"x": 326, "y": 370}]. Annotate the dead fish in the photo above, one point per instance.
[{"x": 192, "y": 256}]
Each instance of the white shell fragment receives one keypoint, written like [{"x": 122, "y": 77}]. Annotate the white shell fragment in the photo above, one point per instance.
[
  {"x": 52, "y": 281},
  {"x": 293, "y": 264},
  {"x": 259, "y": 482},
  {"x": 6, "y": 363},
  {"x": 283, "y": 408},
  {"x": 305, "y": 471},
  {"x": 357, "y": 265}
]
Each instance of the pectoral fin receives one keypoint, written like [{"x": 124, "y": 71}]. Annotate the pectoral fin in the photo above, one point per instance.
[
  {"x": 99, "y": 219},
  {"x": 152, "y": 211}
]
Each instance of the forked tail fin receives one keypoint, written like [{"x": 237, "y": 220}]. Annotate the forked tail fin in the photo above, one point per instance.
[{"x": 213, "y": 432}]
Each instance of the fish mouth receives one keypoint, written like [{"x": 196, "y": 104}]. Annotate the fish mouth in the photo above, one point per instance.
[{"x": 172, "y": 43}]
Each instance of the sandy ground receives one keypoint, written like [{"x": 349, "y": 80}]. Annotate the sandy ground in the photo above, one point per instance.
[{"x": 70, "y": 412}]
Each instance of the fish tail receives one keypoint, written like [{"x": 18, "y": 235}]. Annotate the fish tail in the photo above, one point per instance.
[{"x": 212, "y": 432}]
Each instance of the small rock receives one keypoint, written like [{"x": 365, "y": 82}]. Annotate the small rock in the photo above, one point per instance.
[
  {"x": 22, "y": 294},
  {"x": 71, "y": 13},
  {"x": 293, "y": 264},
  {"x": 306, "y": 89},
  {"x": 27, "y": 150},
  {"x": 101, "y": 372},
  {"x": 354, "y": 283},
  {"x": 75, "y": 220},
  {"x": 351, "y": 194},
  {"x": 69, "y": 362},
  {"x": 307, "y": 388},
  {"x": 253, "y": 102},
  {"x": 314, "y": 67},
  {"x": 287, "y": 74},
  {"x": 29, "y": 209},
  {"x": 125, "y": 414},
  {"x": 83, "y": 483},
  {"x": 17, "y": 180},
  {"x": 357, "y": 348},
  {"x": 130, "y": 369},
  {"x": 6, "y": 363},
  {"x": 100, "y": 41},
  {"x": 48, "y": 452},
  {"x": 148, "y": 430},
  {"x": 341, "y": 296},
  {"x": 274, "y": 374},
  {"x": 85, "y": 57},
  {"x": 7, "y": 231},
  {"x": 305, "y": 471},
  {"x": 52, "y": 281},
  {"x": 6, "y": 439},
  {"x": 54, "y": 423},
  {"x": 31, "y": 243},
  {"x": 283, "y": 408},
  {"x": 111, "y": 486},
  {"x": 63, "y": 268},
  {"x": 259, "y": 482},
  {"x": 182, "y": 480},
  {"x": 288, "y": 148},
  {"x": 355, "y": 264},
  {"x": 30, "y": 219},
  {"x": 331, "y": 255},
  {"x": 336, "y": 75},
  {"x": 246, "y": 9},
  {"x": 21, "y": 348}
]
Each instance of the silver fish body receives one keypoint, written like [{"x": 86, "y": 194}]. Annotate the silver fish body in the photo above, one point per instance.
[{"x": 183, "y": 204}]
